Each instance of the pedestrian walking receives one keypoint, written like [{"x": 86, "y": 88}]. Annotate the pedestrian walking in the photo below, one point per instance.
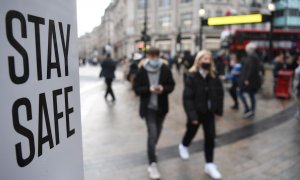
[
  {"x": 153, "y": 83},
  {"x": 108, "y": 72},
  {"x": 220, "y": 62},
  {"x": 177, "y": 62},
  {"x": 250, "y": 79},
  {"x": 170, "y": 60},
  {"x": 233, "y": 76},
  {"x": 291, "y": 62},
  {"x": 133, "y": 67},
  {"x": 187, "y": 62},
  {"x": 296, "y": 86},
  {"x": 202, "y": 99}
]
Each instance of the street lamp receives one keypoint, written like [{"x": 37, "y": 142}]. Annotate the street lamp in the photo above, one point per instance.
[
  {"x": 272, "y": 8},
  {"x": 201, "y": 13},
  {"x": 144, "y": 33},
  {"x": 178, "y": 41}
]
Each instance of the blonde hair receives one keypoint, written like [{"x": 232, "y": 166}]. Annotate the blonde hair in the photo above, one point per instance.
[{"x": 198, "y": 58}]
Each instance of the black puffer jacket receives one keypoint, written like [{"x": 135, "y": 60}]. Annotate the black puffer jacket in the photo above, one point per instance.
[
  {"x": 142, "y": 88},
  {"x": 200, "y": 93}
]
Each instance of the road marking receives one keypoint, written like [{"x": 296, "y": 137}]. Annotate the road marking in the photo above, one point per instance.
[{"x": 138, "y": 159}]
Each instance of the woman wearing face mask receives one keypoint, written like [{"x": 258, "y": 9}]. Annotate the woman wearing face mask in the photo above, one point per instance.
[{"x": 203, "y": 99}]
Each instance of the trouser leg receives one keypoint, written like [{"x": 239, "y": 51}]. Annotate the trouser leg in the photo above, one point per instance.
[
  {"x": 190, "y": 133},
  {"x": 208, "y": 122},
  {"x": 109, "y": 88},
  {"x": 233, "y": 93},
  {"x": 252, "y": 99},
  {"x": 159, "y": 126},
  {"x": 243, "y": 98},
  {"x": 177, "y": 66},
  {"x": 154, "y": 127}
]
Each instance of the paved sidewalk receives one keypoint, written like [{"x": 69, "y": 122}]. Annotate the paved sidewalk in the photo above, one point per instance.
[{"x": 114, "y": 137}]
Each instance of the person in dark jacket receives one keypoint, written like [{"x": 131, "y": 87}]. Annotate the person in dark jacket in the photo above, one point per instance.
[
  {"x": 250, "y": 79},
  {"x": 279, "y": 64},
  {"x": 153, "y": 83},
  {"x": 108, "y": 72},
  {"x": 203, "y": 98},
  {"x": 187, "y": 62},
  {"x": 133, "y": 68}
]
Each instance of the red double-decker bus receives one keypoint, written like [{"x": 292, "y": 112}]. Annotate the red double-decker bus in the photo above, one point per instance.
[{"x": 282, "y": 39}]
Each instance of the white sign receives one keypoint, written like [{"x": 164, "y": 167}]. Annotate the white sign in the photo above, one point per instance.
[{"x": 40, "y": 128}]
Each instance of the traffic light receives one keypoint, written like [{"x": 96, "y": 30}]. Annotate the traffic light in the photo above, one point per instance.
[{"x": 145, "y": 37}]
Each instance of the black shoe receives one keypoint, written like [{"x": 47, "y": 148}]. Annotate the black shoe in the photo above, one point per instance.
[
  {"x": 235, "y": 107},
  {"x": 105, "y": 97}
]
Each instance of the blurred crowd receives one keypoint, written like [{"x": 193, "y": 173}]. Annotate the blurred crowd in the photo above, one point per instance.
[{"x": 204, "y": 74}]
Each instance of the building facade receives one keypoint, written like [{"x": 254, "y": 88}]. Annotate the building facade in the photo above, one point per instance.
[
  {"x": 123, "y": 23},
  {"x": 287, "y": 14}
]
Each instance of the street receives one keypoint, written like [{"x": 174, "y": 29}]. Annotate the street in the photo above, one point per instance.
[{"x": 114, "y": 136}]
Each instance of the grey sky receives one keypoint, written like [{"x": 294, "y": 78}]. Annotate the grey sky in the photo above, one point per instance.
[{"x": 89, "y": 14}]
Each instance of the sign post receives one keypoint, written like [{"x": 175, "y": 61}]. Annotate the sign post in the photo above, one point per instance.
[
  {"x": 40, "y": 127},
  {"x": 236, "y": 19}
]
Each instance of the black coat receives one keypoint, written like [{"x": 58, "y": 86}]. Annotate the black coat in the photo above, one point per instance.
[
  {"x": 197, "y": 94},
  {"x": 251, "y": 70},
  {"x": 142, "y": 89},
  {"x": 108, "y": 69}
]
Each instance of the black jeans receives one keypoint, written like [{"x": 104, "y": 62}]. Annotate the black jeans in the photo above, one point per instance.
[
  {"x": 208, "y": 122},
  {"x": 233, "y": 93},
  {"x": 109, "y": 90},
  {"x": 154, "y": 123}
]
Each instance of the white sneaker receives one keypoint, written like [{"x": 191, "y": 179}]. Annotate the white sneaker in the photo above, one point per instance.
[
  {"x": 212, "y": 170},
  {"x": 183, "y": 152},
  {"x": 248, "y": 114},
  {"x": 153, "y": 171}
]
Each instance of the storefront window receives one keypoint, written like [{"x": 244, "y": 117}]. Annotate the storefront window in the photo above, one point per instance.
[
  {"x": 187, "y": 45},
  {"x": 141, "y": 4},
  {"x": 164, "y": 45},
  {"x": 186, "y": 1},
  {"x": 164, "y": 3},
  {"x": 165, "y": 22},
  {"x": 186, "y": 21}
]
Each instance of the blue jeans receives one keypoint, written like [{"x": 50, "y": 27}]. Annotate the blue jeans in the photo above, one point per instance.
[{"x": 251, "y": 93}]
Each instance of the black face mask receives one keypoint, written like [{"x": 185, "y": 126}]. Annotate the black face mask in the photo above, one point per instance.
[{"x": 206, "y": 66}]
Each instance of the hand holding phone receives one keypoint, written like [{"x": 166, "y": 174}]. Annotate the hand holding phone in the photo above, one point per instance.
[{"x": 157, "y": 89}]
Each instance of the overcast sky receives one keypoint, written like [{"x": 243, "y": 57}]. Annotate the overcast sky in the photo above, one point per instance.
[{"x": 89, "y": 13}]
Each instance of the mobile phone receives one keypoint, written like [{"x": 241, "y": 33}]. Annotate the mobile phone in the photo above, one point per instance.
[{"x": 157, "y": 88}]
